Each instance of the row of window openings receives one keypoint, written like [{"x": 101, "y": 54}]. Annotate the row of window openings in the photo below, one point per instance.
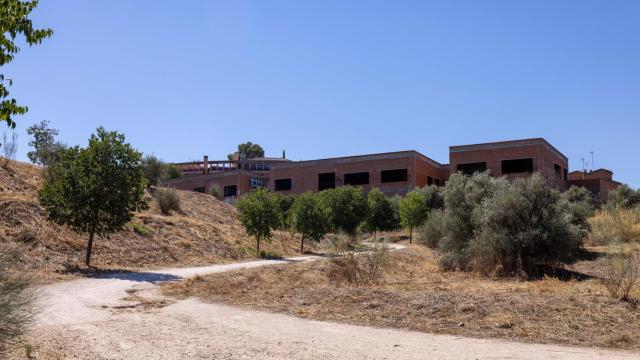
[
  {"x": 228, "y": 191},
  {"x": 513, "y": 166},
  {"x": 328, "y": 180}
]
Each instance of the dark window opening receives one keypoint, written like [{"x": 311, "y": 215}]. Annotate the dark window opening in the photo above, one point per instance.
[
  {"x": 517, "y": 166},
  {"x": 557, "y": 169},
  {"x": 565, "y": 174},
  {"x": 199, "y": 189},
  {"x": 360, "y": 178},
  {"x": 283, "y": 184},
  {"x": 437, "y": 182},
  {"x": 230, "y": 190},
  {"x": 471, "y": 168},
  {"x": 326, "y": 181},
  {"x": 397, "y": 175},
  {"x": 429, "y": 180}
]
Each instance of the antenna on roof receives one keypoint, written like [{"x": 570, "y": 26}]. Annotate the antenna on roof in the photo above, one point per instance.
[
  {"x": 284, "y": 157},
  {"x": 592, "y": 163},
  {"x": 584, "y": 168}
]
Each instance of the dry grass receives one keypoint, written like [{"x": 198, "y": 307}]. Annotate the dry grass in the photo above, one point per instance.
[
  {"x": 415, "y": 295},
  {"x": 204, "y": 231},
  {"x": 615, "y": 226}
]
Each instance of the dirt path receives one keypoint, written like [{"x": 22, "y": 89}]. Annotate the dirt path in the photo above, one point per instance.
[{"x": 88, "y": 319}]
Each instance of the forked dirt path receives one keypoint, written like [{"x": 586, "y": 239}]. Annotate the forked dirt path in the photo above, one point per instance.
[{"x": 88, "y": 319}]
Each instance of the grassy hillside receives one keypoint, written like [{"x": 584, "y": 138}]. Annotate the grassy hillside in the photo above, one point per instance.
[{"x": 205, "y": 231}]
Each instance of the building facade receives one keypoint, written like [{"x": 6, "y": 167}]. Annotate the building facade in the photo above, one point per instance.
[{"x": 394, "y": 173}]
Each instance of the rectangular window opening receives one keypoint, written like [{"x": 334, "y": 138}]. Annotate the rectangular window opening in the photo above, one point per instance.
[
  {"x": 558, "y": 170},
  {"x": 359, "y": 178},
  {"x": 429, "y": 180},
  {"x": 517, "y": 166},
  {"x": 283, "y": 184},
  {"x": 326, "y": 181},
  {"x": 396, "y": 175},
  {"x": 230, "y": 190},
  {"x": 471, "y": 168},
  {"x": 199, "y": 189}
]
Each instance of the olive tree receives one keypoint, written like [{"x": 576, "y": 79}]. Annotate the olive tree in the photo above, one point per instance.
[
  {"x": 309, "y": 217},
  {"x": 96, "y": 189}
]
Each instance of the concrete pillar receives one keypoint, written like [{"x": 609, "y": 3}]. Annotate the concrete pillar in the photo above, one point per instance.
[{"x": 206, "y": 164}]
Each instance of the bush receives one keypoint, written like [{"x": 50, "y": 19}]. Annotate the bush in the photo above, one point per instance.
[
  {"x": 16, "y": 301},
  {"x": 9, "y": 147},
  {"x": 522, "y": 227},
  {"x": 622, "y": 272},
  {"x": 167, "y": 200},
  {"x": 462, "y": 217},
  {"x": 432, "y": 196},
  {"x": 430, "y": 233},
  {"x": 614, "y": 226},
  {"x": 580, "y": 204},
  {"x": 215, "y": 191},
  {"x": 348, "y": 207},
  {"x": 364, "y": 268},
  {"x": 623, "y": 197}
]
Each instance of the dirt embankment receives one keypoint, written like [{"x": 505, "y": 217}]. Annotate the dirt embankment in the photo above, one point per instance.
[{"x": 205, "y": 231}]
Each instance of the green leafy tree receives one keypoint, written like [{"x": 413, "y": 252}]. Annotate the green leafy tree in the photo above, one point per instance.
[
  {"x": 153, "y": 169},
  {"x": 14, "y": 21},
  {"x": 248, "y": 150},
  {"x": 580, "y": 204},
  {"x": 172, "y": 172},
  {"x": 45, "y": 148},
  {"x": 382, "y": 214},
  {"x": 284, "y": 203},
  {"x": 413, "y": 212},
  {"x": 309, "y": 217},
  {"x": 259, "y": 213},
  {"x": 95, "y": 190},
  {"x": 348, "y": 207}
]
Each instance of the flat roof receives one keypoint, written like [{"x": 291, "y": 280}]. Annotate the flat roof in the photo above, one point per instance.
[
  {"x": 366, "y": 157},
  {"x": 506, "y": 144}
]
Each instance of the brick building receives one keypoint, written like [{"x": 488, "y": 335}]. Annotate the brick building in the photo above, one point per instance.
[{"x": 394, "y": 173}]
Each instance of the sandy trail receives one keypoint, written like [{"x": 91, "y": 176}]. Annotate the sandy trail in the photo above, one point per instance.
[{"x": 87, "y": 320}]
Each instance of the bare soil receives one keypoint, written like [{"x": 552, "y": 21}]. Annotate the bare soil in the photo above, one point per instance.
[
  {"x": 571, "y": 307},
  {"x": 205, "y": 231}
]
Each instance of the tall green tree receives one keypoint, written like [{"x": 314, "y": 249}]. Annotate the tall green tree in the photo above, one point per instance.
[
  {"x": 249, "y": 150},
  {"x": 382, "y": 213},
  {"x": 259, "y": 213},
  {"x": 14, "y": 21},
  {"x": 348, "y": 206},
  {"x": 95, "y": 190},
  {"x": 309, "y": 217},
  {"x": 413, "y": 212}
]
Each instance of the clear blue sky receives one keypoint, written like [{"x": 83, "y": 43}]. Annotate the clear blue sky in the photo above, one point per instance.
[{"x": 333, "y": 78}]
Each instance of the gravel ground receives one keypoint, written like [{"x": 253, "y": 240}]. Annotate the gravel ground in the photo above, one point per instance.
[{"x": 121, "y": 316}]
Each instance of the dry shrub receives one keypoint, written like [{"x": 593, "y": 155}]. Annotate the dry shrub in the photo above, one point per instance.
[
  {"x": 615, "y": 226},
  {"x": 16, "y": 300},
  {"x": 167, "y": 200},
  {"x": 361, "y": 269},
  {"x": 622, "y": 272}
]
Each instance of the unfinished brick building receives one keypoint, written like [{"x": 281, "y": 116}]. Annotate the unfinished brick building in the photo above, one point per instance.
[{"x": 394, "y": 173}]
